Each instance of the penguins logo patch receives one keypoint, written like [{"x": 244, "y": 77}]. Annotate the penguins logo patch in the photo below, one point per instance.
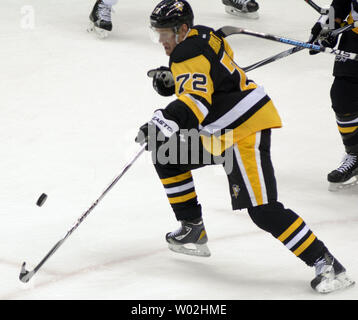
[
  {"x": 179, "y": 5},
  {"x": 236, "y": 190}
]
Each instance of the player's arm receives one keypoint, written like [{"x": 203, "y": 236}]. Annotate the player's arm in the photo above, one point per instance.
[{"x": 193, "y": 88}]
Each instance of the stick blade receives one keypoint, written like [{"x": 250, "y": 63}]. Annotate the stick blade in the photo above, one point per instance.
[
  {"x": 25, "y": 275},
  {"x": 229, "y": 30}
]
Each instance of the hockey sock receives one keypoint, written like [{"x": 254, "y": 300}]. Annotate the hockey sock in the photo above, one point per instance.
[
  {"x": 289, "y": 228},
  {"x": 182, "y": 197},
  {"x": 348, "y": 128}
]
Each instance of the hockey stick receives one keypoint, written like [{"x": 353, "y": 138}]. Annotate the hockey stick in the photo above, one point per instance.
[
  {"x": 347, "y": 27},
  {"x": 272, "y": 59},
  {"x": 25, "y": 275},
  {"x": 229, "y": 30},
  {"x": 317, "y": 7},
  {"x": 288, "y": 52},
  {"x": 292, "y": 50}
]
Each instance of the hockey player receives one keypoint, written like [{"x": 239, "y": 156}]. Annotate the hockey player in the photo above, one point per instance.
[
  {"x": 246, "y": 8},
  {"x": 344, "y": 90},
  {"x": 101, "y": 17},
  {"x": 234, "y": 117}
]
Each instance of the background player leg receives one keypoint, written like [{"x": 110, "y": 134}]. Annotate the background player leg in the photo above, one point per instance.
[
  {"x": 245, "y": 8},
  {"x": 101, "y": 17},
  {"x": 344, "y": 96},
  {"x": 346, "y": 175}
]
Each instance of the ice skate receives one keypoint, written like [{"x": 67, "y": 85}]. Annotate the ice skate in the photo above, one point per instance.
[
  {"x": 189, "y": 239},
  {"x": 346, "y": 176},
  {"x": 330, "y": 275},
  {"x": 101, "y": 19},
  {"x": 242, "y": 8}
]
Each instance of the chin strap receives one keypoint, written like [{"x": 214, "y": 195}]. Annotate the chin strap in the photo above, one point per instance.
[{"x": 177, "y": 35}]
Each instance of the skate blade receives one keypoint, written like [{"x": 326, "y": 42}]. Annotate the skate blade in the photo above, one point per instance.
[
  {"x": 235, "y": 12},
  {"x": 339, "y": 282},
  {"x": 199, "y": 250},
  {"x": 334, "y": 187},
  {"x": 100, "y": 33}
]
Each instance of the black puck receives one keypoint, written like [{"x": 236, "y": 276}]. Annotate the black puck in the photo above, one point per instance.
[{"x": 41, "y": 199}]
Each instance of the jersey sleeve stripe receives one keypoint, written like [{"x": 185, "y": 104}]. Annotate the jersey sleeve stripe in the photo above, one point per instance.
[{"x": 198, "y": 108}]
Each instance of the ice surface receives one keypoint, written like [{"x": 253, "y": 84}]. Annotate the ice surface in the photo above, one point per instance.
[{"x": 69, "y": 111}]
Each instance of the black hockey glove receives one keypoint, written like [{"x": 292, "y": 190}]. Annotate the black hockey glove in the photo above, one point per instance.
[
  {"x": 151, "y": 135},
  {"x": 163, "y": 81},
  {"x": 321, "y": 35},
  {"x": 157, "y": 131}
]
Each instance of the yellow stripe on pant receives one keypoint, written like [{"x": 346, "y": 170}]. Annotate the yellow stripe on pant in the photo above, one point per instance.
[{"x": 248, "y": 158}]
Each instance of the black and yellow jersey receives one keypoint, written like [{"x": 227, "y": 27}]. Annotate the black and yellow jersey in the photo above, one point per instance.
[
  {"x": 347, "y": 10},
  {"x": 214, "y": 95}
]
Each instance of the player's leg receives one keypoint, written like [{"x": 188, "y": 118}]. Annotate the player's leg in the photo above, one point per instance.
[
  {"x": 178, "y": 183},
  {"x": 248, "y": 8},
  {"x": 256, "y": 190},
  {"x": 101, "y": 17}
]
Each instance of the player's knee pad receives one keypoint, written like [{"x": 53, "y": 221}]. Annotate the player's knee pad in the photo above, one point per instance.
[{"x": 264, "y": 215}]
